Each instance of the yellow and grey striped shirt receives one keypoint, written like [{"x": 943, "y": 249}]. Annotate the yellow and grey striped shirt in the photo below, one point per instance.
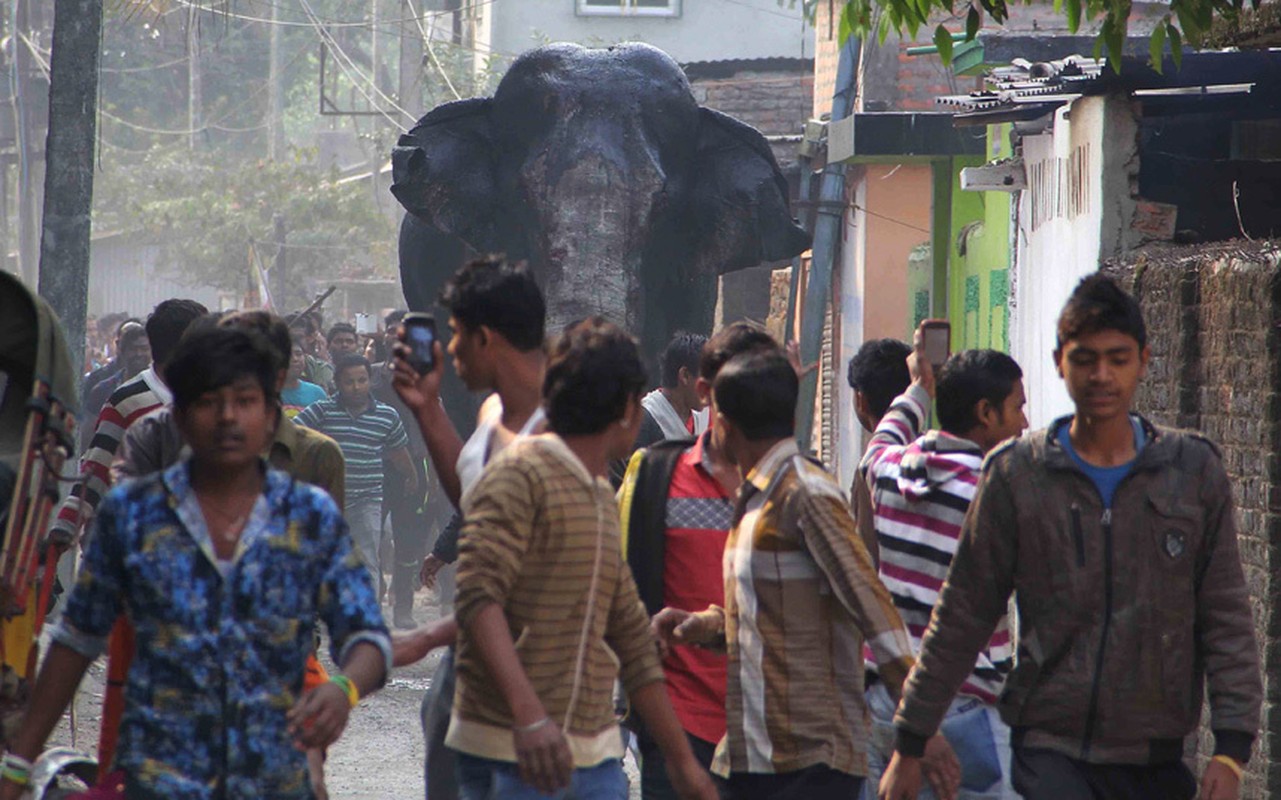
[
  {"x": 801, "y": 594},
  {"x": 541, "y": 540}
]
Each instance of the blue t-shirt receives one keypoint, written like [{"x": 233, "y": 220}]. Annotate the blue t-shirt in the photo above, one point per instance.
[
  {"x": 295, "y": 400},
  {"x": 1106, "y": 479}
]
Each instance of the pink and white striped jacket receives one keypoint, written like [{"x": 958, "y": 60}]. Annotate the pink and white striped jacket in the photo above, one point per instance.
[{"x": 921, "y": 487}]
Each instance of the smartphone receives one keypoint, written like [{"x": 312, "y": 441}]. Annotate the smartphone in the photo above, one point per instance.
[
  {"x": 420, "y": 335},
  {"x": 937, "y": 340},
  {"x": 365, "y": 324}
]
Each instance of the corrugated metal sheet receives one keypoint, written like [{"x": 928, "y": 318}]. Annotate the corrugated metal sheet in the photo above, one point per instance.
[{"x": 125, "y": 275}]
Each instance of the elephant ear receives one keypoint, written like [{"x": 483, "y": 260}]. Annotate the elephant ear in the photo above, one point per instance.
[
  {"x": 740, "y": 198},
  {"x": 443, "y": 172}
]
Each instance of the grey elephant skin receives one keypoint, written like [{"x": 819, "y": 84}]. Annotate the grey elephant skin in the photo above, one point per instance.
[{"x": 598, "y": 168}]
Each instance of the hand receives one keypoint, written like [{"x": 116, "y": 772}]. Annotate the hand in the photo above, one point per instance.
[
  {"x": 543, "y": 758},
  {"x": 672, "y": 626},
  {"x": 902, "y": 779},
  {"x": 1219, "y": 783},
  {"x": 413, "y": 646},
  {"x": 316, "y": 773},
  {"x": 431, "y": 566},
  {"x": 418, "y": 392},
  {"x": 318, "y": 718},
  {"x": 941, "y": 768},
  {"x": 691, "y": 781},
  {"x": 793, "y": 352},
  {"x": 918, "y": 366}
]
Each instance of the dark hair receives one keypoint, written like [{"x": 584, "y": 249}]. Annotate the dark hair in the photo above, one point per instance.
[
  {"x": 879, "y": 371},
  {"x": 732, "y": 340},
  {"x": 351, "y": 360},
  {"x": 120, "y": 329},
  {"x": 394, "y": 317},
  {"x": 304, "y": 321},
  {"x": 968, "y": 377},
  {"x": 166, "y": 325},
  {"x": 212, "y": 357},
  {"x": 757, "y": 392},
  {"x": 341, "y": 327},
  {"x": 130, "y": 335},
  {"x": 594, "y": 369},
  {"x": 1098, "y": 303},
  {"x": 500, "y": 296},
  {"x": 682, "y": 351},
  {"x": 270, "y": 326}
]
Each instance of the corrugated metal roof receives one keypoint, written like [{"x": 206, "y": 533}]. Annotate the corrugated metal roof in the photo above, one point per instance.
[
  {"x": 1023, "y": 82},
  {"x": 1027, "y": 90}
]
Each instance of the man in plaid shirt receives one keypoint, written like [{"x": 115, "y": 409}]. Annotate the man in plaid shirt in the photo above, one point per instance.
[{"x": 801, "y": 595}]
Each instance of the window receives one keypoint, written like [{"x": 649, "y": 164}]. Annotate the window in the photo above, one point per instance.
[{"x": 639, "y": 8}]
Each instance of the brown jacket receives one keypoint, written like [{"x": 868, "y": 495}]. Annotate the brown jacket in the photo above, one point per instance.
[
  {"x": 1123, "y": 614},
  {"x": 541, "y": 540}
]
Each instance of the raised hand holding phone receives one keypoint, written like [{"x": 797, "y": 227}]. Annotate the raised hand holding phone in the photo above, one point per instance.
[{"x": 420, "y": 335}]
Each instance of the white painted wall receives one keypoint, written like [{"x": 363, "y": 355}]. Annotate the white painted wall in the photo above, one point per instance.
[
  {"x": 1073, "y": 213},
  {"x": 849, "y": 436},
  {"x": 705, "y": 30}
]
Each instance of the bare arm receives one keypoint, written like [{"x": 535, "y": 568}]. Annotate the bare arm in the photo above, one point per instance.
[
  {"x": 687, "y": 775},
  {"x": 55, "y": 686},
  {"x": 413, "y": 646}
]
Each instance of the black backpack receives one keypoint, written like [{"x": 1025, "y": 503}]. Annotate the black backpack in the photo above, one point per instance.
[{"x": 647, "y": 527}]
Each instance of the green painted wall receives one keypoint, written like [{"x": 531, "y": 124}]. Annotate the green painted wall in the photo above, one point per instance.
[{"x": 979, "y": 257}]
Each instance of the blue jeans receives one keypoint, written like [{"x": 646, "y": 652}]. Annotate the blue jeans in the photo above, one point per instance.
[
  {"x": 364, "y": 521},
  {"x": 484, "y": 779},
  {"x": 988, "y": 741}
]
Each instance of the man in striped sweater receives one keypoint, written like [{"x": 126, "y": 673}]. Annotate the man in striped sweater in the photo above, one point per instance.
[
  {"x": 921, "y": 487},
  {"x": 130, "y": 402}
]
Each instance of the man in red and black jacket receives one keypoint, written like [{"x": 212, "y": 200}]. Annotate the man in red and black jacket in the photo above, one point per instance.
[{"x": 677, "y": 508}]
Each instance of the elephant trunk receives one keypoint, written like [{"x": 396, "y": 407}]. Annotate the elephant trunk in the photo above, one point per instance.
[{"x": 594, "y": 218}]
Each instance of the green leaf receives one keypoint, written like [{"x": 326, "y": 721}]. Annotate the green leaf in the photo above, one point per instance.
[
  {"x": 972, "y": 22},
  {"x": 1116, "y": 43},
  {"x": 1176, "y": 45},
  {"x": 883, "y": 28},
  {"x": 845, "y": 28},
  {"x": 1074, "y": 15},
  {"x": 943, "y": 41},
  {"x": 1156, "y": 47}
]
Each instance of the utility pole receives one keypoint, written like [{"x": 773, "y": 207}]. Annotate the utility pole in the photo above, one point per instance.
[
  {"x": 69, "y": 153},
  {"x": 410, "y": 91},
  {"x": 281, "y": 268},
  {"x": 194, "y": 87},
  {"x": 275, "y": 91},
  {"x": 28, "y": 98}
]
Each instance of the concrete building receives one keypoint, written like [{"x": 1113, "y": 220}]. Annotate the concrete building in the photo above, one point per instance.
[{"x": 689, "y": 30}]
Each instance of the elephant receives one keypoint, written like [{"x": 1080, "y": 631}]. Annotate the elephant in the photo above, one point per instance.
[{"x": 598, "y": 168}]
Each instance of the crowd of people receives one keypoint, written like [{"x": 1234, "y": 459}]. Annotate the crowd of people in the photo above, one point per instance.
[{"x": 985, "y": 613}]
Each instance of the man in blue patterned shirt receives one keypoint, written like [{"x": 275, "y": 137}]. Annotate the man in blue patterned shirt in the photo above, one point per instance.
[{"x": 222, "y": 564}]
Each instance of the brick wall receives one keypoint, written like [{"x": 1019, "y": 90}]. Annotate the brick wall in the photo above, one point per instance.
[
  {"x": 774, "y": 101},
  {"x": 1212, "y": 315}
]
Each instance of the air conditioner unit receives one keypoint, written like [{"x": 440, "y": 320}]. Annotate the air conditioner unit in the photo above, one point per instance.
[{"x": 1001, "y": 176}]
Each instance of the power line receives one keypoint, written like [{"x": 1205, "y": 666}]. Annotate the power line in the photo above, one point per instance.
[
  {"x": 339, "y": 54},
  {"x": 215, "y": 124},
  {"x": 332, "y": 23}
]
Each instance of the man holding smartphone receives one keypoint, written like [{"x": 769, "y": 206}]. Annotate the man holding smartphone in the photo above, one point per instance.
[
  {"x": 920, "y": 485},
  {"x": 497, "y": 317}
]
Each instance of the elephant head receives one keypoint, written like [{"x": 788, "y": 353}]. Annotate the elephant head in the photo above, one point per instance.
[{"x": 599, "y": 168}]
